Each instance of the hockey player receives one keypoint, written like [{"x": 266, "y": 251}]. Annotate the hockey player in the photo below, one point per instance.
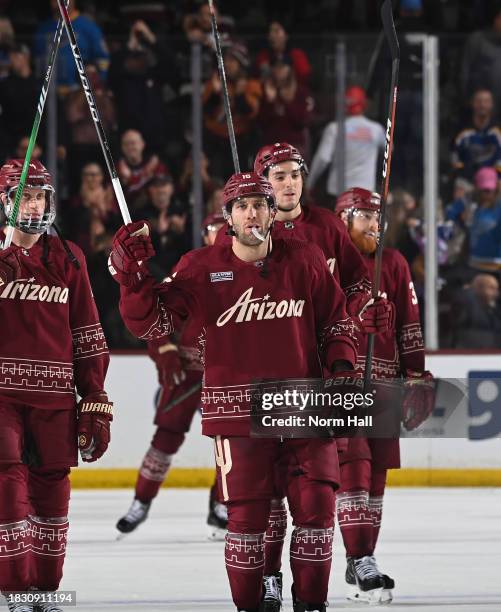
[
  {"x": 398, "y": 353},
  {"x": 180, "y": 377},
  {"x": 283, "y": 165},
  {"x": 268, "y": 310},
  {"x": 52, "y": 347}
]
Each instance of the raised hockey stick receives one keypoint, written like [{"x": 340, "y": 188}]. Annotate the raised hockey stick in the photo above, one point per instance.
[
  {"x": 11, "y": 222},
  {"x": 226, "y": 98},
  {"x": 115, "y": 181},
  {"x": 390, "y": 34}
]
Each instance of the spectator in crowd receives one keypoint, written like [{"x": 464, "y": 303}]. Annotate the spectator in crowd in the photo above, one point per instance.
[
  {"x": 22, "y": 146},
  {"x": 478, "y": 144},
  {"x": 482, "y": 59},
  {"x": 19, "y": 93},
  {"x": 91, "y": 218},
  {"x": 167, "y": 218},
  {"x": 136, "y": 169},
  {"x": 138, "y": 73},
  {"x": 476, "y": 315},
  {"x": 90, "y": 42},
  {"x": 83, "y": 143},
  {"x": 7, "y": 39},
  {"x": 92, "y": 215},
  {"x": 216, "y": 200},
  {"x": 286, "y": 107},
  {"x": 280, "y": 51},
  {"x": 197, "y": 27},
  {"x": 364, "y": 140},
  {"x": 185, "y": 182},
  {"x": 481, "y": 219},
  {"x": 245, "y": 95}
]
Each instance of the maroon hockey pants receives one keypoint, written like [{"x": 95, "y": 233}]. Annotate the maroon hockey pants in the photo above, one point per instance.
[
  {"x": 359, "y": 506},
  {"x": 245, "y": 470},
  {"x": 34, "y": 498}
]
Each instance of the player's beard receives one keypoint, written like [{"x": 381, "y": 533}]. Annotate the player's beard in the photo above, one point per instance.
[
  {"x": 365, "y": 244},
  {"x": 248, "y": 239}
]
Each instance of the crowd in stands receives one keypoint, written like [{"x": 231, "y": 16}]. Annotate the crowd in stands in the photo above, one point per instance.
[{"x": 137, "y": 59}]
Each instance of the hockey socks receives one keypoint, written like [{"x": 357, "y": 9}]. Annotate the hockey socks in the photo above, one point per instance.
[{"x": 274, "y": 538}]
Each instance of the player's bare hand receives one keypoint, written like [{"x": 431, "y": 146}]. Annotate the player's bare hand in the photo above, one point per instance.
[
  {"x": 10, "y": 266},
  {"x": 419, "y": 399},
  {"x": 131, "y": 248},
  {"x": 95, "y": 413}
]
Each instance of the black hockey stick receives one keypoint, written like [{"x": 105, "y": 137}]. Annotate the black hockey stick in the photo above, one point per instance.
[
  {"x": 391, "y": 36},
  {"x": 226, "y": 98},
  {"x": 117, "y": 187}
]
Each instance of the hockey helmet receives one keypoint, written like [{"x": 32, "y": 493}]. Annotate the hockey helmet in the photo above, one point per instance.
[
  {"x": 357, "y": 198},
  {"x": 246, "y": 184},
  {"x": 210, "y": 221},
  {"x": 38, "y": 177},
  {"x": 269, "y": 155}
]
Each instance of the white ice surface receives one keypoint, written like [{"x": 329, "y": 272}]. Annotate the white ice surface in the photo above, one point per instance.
[{"x": 442, "y": 546}]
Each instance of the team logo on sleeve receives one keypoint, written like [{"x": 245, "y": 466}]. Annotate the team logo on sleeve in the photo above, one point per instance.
[
  {"x": 217, "y": 277},
  {"x": 247, "y": 308}
]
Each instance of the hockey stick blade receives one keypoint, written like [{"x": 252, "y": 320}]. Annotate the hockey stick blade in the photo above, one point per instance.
[{"x": 389, "y": 29}]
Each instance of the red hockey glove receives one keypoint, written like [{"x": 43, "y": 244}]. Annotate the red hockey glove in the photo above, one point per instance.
[
  {"x": 131, "y": 248},
  {"x": 169, "y": 366},
  {"x": 95, "y": 412},
  {"x": 10, "y": 266},
  {"x": 419, "y": 399},
  {"x": 373, "y": 316}
]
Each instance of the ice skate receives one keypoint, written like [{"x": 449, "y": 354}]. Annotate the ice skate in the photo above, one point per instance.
[
  {"x": 19, "y": 607},
  {"x": 389, "y": 583},
  {"x": 365, "y": 581},
  {"x": 217, "y": 521},
  {"x": 301, "y": 606},
  {"x": 137, "y": 514},
  {"x": 272, "y": 601},
  {"x": 47, "y": 607}
]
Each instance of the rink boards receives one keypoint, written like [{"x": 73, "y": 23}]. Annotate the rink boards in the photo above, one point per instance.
[{"x": 132, "y": 383}]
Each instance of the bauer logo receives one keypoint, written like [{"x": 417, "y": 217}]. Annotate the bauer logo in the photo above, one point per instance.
[
  {"x": 26, "y": 289},
  {"x": 217, "y": 277},
  {"x": 247, "y": 308},
  {"x": 484, "y": 392}
]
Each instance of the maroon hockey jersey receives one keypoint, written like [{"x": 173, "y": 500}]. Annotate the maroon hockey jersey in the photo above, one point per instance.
[
  {"x": 256, "y": 325},
  {"x": 402, "y": 348},
  {"x": 328, "y": 232},
  {"x": 52, "y": 340}
]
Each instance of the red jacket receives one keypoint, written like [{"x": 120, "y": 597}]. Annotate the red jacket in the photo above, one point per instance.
[
  {"x": 52, "y": 340},
  {"x": 254, "y": 327}
]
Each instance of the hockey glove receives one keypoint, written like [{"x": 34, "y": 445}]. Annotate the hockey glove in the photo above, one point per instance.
[
  {"x": 373, "y": 316},
  {"x": 10, "y": 266},
  {"x": 419, "y": 399},
  {"x": 131, "y": 248},
  {"x": 95, "y": 413},
  {"x": 169, "y": 366}
]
